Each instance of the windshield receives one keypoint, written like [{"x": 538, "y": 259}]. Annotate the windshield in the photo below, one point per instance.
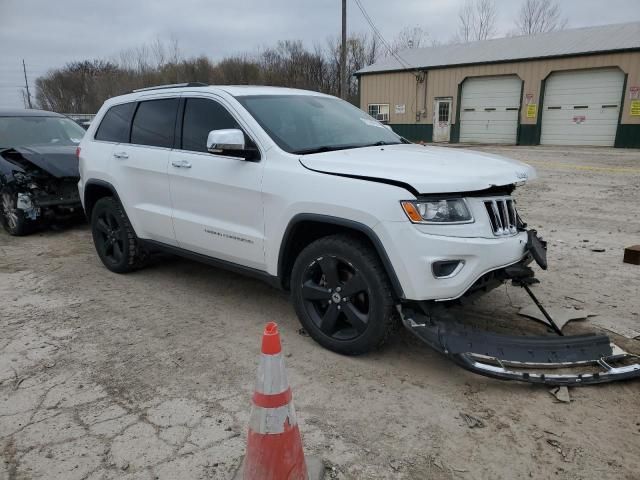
[
  {"x": 309, "y": 124},
  {"x": 28, "y": 131}
]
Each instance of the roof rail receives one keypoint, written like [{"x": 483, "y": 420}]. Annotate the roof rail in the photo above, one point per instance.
[{"x": 173, "y": 85}]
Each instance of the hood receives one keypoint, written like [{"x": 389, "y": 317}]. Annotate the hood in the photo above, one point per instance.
[
  {"x": 58, "y": 161},
  {"x": 426, "y": 169}
]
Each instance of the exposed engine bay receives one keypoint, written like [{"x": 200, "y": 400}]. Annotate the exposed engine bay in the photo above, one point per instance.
[{"x": 39, "y": 184}]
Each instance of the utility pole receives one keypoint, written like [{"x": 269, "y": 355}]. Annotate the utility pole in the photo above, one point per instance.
[
  {"x": 343, "y": 53},
  {"x": 26, "y": 83}
]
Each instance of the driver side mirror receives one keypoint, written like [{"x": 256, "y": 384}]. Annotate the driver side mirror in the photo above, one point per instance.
[
  {"x": 221, "y": 141},
  {"x": 231, "y": 142}
]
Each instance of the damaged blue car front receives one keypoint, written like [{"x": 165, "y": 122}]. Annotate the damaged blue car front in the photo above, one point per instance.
[{"x": 38, "y": 168}]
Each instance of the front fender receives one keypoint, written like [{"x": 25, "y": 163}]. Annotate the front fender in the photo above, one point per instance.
[{"x": 344, "y": 223}]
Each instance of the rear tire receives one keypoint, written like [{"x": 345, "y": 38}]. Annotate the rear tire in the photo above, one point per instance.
[
  {"x": 342, "y": 295},
  {"x": 116, "y": 243}
]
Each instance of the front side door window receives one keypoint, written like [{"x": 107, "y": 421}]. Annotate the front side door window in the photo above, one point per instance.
[{"x": 200, "y": 117}]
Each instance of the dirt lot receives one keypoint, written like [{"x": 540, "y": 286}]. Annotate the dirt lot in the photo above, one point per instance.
[{"x": 149, "y": 375}]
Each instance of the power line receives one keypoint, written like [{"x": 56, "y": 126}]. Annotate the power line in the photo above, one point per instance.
[{"x": 377, "y": 33}]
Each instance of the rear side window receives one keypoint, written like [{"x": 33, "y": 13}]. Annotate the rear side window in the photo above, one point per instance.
[
  {"x": 200, "y": 117},
  {"x": 154, "y": 123},
  {"x": 116, "y": 124}
]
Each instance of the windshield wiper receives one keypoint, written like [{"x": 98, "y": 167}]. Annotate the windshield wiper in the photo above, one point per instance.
[
  {"x": 380, "y": 144},
  {"x": 324, "y": 148},
  {"x": 331, "y": 148}
]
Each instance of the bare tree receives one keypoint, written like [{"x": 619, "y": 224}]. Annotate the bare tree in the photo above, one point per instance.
[
  {"x": 477, "y": 20},
  {"x": 486, "y": 19},
  {"x": 539, "y": 16},
  {"x": 410, "y": 37},
  {"x": 81, "y": 87},
  {"x": 466, "y": 18}
]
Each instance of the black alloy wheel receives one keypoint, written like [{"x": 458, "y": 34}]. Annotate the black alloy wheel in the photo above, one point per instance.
[
  {"x": 111, "y": 239},
  {"x": 342, "y": 294},
  {"x": 113, "y": 236},
  {"x": 336, "y": 297}
]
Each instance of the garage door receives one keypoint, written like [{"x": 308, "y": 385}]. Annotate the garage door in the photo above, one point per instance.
[
  {"x": 582, "y": 107},
  {"x": 489, "y": 109}
]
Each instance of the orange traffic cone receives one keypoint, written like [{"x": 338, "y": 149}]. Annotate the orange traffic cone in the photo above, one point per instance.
[{"x": 274, "y": 446}]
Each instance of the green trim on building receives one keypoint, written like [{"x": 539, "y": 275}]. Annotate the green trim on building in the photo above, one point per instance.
[
  {"x": 538, "y": 130},
  {"x": 628, "y": 136},
  {"x": 527, "y": 134},
  {"x": 415, "y": 132},
  {"x": 454, "y": 136}
]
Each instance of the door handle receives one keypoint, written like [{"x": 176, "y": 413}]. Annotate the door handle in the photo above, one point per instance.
[
  {"x": 180, "y": 164},
  {"x": 121, "y": 155}
]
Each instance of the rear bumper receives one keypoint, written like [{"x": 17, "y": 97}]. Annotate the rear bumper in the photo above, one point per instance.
[{"x": 413, "y": 253}]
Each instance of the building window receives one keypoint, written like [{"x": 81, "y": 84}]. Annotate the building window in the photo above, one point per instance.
[
  {"x": 443, "y": 111},
  {"x": 379, "y": 111}
]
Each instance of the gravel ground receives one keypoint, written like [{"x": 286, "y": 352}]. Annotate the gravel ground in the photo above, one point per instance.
[{"x": 149, "y": 375}]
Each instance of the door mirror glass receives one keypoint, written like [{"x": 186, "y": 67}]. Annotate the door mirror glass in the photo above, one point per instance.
[{"x": 225, "y": 141}]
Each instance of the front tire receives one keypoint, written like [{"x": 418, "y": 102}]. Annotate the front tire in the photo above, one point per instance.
[
  {"x": 342, "y": 295},
  {"x": 13, "y": 219},
  {"x": 113, "y": 236}
]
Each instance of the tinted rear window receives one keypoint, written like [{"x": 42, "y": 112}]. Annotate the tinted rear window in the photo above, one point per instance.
[
  {"x": 200, "y": 117},
  {"x": 115, "y": 124},
  {"x": 154, "y": 123}
]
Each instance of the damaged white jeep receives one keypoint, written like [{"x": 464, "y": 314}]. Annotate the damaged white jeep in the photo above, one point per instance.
[{"x": 311, "y": 194}]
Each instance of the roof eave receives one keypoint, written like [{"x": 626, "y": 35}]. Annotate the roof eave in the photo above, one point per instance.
[{"x": 512, "y": 60}]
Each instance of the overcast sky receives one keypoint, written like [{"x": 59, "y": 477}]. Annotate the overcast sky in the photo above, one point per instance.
[{"x": 49, "y": 33}]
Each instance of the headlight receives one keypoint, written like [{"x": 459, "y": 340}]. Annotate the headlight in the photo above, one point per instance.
[{"x": 453, "y": 210}]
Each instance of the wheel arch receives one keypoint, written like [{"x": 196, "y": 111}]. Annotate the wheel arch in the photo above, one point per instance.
[
  {"x": 305, "y": 228},
  {"x": 94, "y": 190}
]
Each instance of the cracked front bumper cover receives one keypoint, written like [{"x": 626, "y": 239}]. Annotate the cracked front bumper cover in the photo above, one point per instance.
[{"x": 573, "y": 360}]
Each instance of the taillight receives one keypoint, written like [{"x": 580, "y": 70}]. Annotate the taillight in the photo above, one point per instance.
[{"x": 78, "y": 152}]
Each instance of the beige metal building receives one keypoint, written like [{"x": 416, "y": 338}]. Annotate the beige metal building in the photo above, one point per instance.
[{"x": 574, "y": 87}]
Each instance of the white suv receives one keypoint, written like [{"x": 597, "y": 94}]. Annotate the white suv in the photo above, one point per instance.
[{"x": 305, "y": 191}]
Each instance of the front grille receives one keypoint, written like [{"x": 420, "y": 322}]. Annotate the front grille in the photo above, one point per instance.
[{"x": 503, "y": 216}]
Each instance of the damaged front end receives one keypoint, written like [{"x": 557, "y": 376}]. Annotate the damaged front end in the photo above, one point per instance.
[
  {"x": 552, "y": 360},
  {"x": 33, "y": 191}
]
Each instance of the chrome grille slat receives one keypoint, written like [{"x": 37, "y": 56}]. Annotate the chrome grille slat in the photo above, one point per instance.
[
  {"x": 503, "y": 216},
  {"x": 514, "y": 216},
  {"x": 506, "y": 224},
  {"x": 497, "y": 227}
]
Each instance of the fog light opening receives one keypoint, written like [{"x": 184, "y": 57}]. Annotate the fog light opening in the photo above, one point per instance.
[{"x": 446, "y": 268}]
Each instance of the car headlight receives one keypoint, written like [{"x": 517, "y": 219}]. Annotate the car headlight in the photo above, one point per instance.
[{"x": 449, "y": 211}]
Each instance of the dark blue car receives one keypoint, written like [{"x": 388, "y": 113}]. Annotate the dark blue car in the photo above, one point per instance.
[{"x": 38, "y": 168}]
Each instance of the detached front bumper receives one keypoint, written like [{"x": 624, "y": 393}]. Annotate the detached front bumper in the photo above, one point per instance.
[
  {"x": 562, "y": 360},
  {"x": 568, "y": 360}
]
